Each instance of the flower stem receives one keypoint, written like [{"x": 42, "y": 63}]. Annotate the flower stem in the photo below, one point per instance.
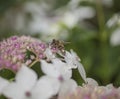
[{"x": 34, "y": 62}]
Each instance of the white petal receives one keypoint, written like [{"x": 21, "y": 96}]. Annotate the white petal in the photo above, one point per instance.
[
  {"x": 82, "y": 71},
  {"x": 49, "y": 69},
  {"x": 67, "y": 86},
  {"x": 57, "y": 69},
  {"x": 113, "y": 21},
  {"x": 115, "y": 37},
  {"x": 69, "y": 20},
  {"x": 68, "y": 59},
  {"x": 110, "y": 86},
  {"x": 25, "y": 80},
  {"x": 62, "y": 68},
  {"x": 3, "y": 84},
  {"x": 46, "y": 88},
  {"x": 75, "y": 55},
  {"x": 26, "y": 77},
  {"x": 49, "y": 54},
  {"x": 14, "y": 91},
  {"x": 65, "y": 73},
  {"x": 67, "y": 55},
  {"x": 72, "y": 59},
  {"x": 91, "y": 81},
  {"x": 57, "y": 62}
]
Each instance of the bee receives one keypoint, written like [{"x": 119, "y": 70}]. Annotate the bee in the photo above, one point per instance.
[{"x": 60, "y": 45}]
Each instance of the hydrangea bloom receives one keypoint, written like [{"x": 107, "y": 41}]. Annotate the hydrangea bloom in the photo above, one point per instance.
[
  {"x": 57, "y": 82},
  {"x": 93, "y": 92},
  {"x": 13, "y": 51}
]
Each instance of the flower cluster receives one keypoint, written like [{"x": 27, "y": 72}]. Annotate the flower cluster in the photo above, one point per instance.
[
  {"x": 57, "y": 82},
  {"x": 93, "y": 92},
  {"x": 13, "y": 51}
]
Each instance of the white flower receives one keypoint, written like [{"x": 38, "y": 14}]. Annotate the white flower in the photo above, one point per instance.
[
  {"x": 24, "y": 82},
  {"x": 73, "y": 61},
  {"x": 3, "y": 84},
  {"x": 26, "y": 86},
  {"x": 59, "y": 71}
]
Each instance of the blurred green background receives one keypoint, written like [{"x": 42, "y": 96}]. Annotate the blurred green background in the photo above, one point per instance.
[{"x": 91, "y": 26}]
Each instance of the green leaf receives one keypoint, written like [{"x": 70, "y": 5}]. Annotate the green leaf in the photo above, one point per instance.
[
  {"x": 7, "y": 74},
  {"x": 2, "y": 97},
  {"x": 37, "y": 69},
  {"x": 28, "y": 54}
]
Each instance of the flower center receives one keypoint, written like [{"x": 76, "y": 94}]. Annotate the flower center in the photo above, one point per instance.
[
  {"x": 28, "y": 94},
  {"x": 60, "y": 78}
]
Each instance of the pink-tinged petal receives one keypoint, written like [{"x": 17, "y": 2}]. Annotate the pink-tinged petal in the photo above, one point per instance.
[
  {"x": 67, "y": 87},
  {"x": 3, "y": 84},
  {"x": 45, "y": 88},
  {"x": 26, "y": 77}
]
